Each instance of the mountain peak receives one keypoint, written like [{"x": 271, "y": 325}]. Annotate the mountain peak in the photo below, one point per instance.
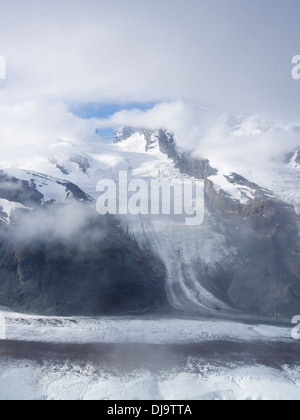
[
  {"x": 160, "y": 139},
  {"x": 295, "y": 161},
  {"x": 297, "y": 157}
]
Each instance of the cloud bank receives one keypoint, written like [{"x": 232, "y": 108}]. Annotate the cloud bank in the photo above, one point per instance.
[
  {"x": 236, "y": 139},
  {"x": 73, "y": 223},
  {"x": 200, "y": 61},
  {"x": 235, "y": 55}
]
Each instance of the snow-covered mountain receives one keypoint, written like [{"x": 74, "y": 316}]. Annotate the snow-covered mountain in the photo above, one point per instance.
[{"x": 244, "y": 257}]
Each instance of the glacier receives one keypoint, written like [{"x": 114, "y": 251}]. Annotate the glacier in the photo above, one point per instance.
[{"x": 201, "y": 274}]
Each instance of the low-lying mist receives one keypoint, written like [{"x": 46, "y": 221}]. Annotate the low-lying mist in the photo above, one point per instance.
[{"x": 74, "y": 223}]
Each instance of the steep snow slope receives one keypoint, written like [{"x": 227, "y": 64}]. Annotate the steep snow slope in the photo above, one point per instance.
[
  {"x": 287, "y": 182},
  {"x": 24, "y": 190},
  {"x": 180, "y": 248},
  {"x": 7, "y": 208},
  {"x": 52, "y": 189}
]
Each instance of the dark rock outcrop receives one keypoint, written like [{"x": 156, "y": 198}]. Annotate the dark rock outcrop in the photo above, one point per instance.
[
  {"x": 27, "y": 192},
  {"x": 62, "y": 169},
  {"x": 98, "y": 271},
  {"x": 101, "y": 270},
  {"x": 93, "y": 269},
  {"x": 82, "y": 162},
  {"x": 263, "y": 278},
  {"x": 298, "y": 157},
  {"x": 19, "y": 191}
]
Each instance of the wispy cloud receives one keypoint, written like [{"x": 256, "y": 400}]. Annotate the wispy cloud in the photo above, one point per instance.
[{"x": 73, "y": 222}]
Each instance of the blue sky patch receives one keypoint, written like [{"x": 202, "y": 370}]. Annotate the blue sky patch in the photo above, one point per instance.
[
  {"x": 107, "y": 133},
  {"x": 105, "y": 110}
]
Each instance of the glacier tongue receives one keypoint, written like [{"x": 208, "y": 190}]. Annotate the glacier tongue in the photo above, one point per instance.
[
  {"x": 287, "y": 185},
  {"x": 186, "y": 252}
]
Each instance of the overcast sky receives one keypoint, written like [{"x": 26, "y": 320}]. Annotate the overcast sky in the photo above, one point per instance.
[
  {"x": 231, "y": 55},
  {"x": 226, "y": 53}
]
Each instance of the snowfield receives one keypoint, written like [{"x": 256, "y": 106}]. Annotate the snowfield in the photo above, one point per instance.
[
  {"x": 160, "y": 358},
  {"x": 74, "y": 381},
  {"x": 8, "y": 207},
  {"x": 142, "y": 330}
]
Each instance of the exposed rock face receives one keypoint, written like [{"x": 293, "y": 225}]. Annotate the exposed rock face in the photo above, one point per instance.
[
  {"x": 27, "y": 192},
  {"x": 124, "y": 133},
  {"x": 99, "y": 269},
  {"x": 109, "y": 275},
  {"x": 91, "y": 270},
  {"x": 298, "y": 157},
  {"x": 13, "y": 189},
  {"x": 166, "y": 143},
  {"x": 62, "y": 169},
  {"x": 82, "y": 162},
  {"x": 161, "y": 139},
  {"x": 263, "y": 278}
]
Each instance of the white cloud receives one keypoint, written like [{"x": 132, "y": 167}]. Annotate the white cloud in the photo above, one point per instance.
[
  {"x": 74, "y": 221},
  {"x": 242, "y": 138},
  {"x": 30, "y": 133},
  {"x": 28, "y": 130},
  {"x": 233, "y": 54}
]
